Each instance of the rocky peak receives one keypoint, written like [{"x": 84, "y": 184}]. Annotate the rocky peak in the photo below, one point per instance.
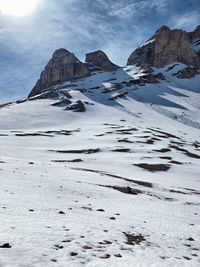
[
  {"x": 195, "y": 34},
  {"x": 63, "y": 66},
  {"x": 166, "y": 46},
  {"x": 61, "y": 52},
  {"x": 99, "y": 60},
  {"x": 162, "y": 29}
]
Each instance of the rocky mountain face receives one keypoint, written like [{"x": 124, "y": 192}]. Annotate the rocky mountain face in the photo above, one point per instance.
[
  {"x": 167, "y": 46},
  {"x": 98, "y": 60},
  {"x": 65, "y": 66}
]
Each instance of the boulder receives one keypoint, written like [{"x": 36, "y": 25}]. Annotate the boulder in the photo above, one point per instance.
[{"x": 77, "y": 107}]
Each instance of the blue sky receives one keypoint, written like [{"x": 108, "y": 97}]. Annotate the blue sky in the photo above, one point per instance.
[{"x": 114, "y": 26}]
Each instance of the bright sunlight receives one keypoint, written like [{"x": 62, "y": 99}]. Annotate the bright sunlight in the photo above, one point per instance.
[{"x": 17, "y": 7}]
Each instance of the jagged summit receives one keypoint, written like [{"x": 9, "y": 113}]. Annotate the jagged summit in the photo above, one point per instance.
[
  {"x": 163, "y": 28},
  {"x": 63, "y": 66},
  {"x": 61, "y": 52},
  {"x": 167, "y": 46},
  {"x": 100, "y": 60}
]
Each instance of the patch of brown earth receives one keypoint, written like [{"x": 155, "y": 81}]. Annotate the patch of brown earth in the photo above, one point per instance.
[
  {"x": 154, "y": 167},
  {"x": 133, "y": 239}
]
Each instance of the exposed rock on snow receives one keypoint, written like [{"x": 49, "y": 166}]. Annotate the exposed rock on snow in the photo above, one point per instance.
[
  {"x": 106, "y": 186},
  {"x": 187, "y": 72},
  {"x": 77, "y": 107}
]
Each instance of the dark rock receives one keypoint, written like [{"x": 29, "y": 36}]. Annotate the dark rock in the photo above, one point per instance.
[
  {"x": 77, "y": 107},
  {"x": 62, "y": 103},
  {"x": 61, "y": 212},
  {"x": 6, "y": 245},
  {"x": 153, "y": 167},
  {"x": 187, "y": 72},
  {"x": 73, "y": 254},
  {"x": 118, "y": 255},
  {"x": 101, "y": 210},
  {"x": 100, "y": 61}
]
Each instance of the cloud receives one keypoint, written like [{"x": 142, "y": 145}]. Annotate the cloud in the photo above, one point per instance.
[
  {"x": 186, "y": 21},
  {"x": 130, "y": 9}
]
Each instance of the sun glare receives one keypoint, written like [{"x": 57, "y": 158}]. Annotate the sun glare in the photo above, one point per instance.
[{"x": 17, "y": 7}]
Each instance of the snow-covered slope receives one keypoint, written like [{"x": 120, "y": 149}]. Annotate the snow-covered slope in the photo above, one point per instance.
[{"x": 116, "y": 185}]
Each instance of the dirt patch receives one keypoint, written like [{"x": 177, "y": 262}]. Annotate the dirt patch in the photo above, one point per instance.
[
  {"x": 186, "y": 152},
  {"x": 176, "y": 162},
  {"x": 33, "y": 134},
  {"x": 148, "y": 142},
  {"x": 121, "y": 150},
  {"x": 6, "y": 245},
  {"x": 154, "y": 167},
  {"x": 78, "y": 151},
  {"x": 162, "y": 150},
  {"x": 164, "y": 133},
  {"x": 127, "y": 130},
  {"x": 73, "y": 160},
  {"x": 168, "y": 158},
  {"x": 125, "y": 140},
  {"x": 178, "y": 192},
  {"x": 142, "y": 183},
  {"x": 124, "y": 189},
  {"x": 133, "y": 239}
]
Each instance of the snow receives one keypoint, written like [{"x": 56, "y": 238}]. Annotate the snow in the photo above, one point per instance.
[
  {"x": 148, "y": 42},
  {"x": 196, "y": 45},
  {"x": 37, "y": 182}
]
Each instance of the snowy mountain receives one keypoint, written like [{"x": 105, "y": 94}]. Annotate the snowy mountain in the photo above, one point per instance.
[{"x": 99, "y": 166}]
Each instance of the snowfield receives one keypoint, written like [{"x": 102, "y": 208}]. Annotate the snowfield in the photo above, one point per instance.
[{"x": 117, "y": 185}]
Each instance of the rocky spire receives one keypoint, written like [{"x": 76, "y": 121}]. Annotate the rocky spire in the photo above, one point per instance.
[
  {"x": 63, "y": 66},
  {"x": 166, "y": 46},
  {"x": 99, "y": 60}
]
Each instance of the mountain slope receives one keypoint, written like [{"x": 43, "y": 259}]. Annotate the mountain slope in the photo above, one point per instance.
[{"x": 102, "y": 169}]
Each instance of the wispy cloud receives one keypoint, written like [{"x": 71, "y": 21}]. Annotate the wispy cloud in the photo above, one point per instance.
[
  {"x": 130, "y": 9},
  {"x": 187, "y": 21}
]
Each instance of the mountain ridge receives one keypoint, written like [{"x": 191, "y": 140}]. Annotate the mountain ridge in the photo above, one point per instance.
[{"x": 165, "y": 47}]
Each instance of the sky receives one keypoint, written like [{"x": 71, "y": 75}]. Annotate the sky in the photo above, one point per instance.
[{"x": 115, "y": 26}]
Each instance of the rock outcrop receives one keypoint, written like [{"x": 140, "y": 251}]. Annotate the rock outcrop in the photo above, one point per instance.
[
  {"x": 99, "y": 61},
  {"x": 77, "y": 107},
  {"x": 63, "y": 66},
  {"x": 167, "y": 46},
  {"x": 186, "y": 73}
]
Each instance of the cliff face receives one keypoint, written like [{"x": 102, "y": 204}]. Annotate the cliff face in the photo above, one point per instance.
[
  {"x": 100, "y": 61},
  {"x": 167, "y": 46},
  {"x": 63, "y": 66}
]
